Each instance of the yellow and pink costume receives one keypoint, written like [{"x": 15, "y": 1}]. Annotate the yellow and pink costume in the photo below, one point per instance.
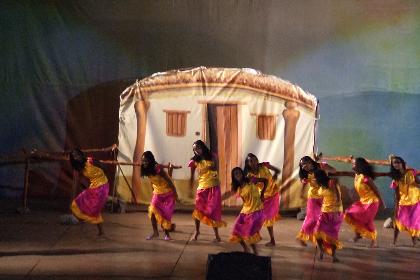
[
  {"x": 271, "y": 195},
  {"x": 361, "y": 214},
  {"x": 163, "y": 201},
  {"x": 88, "y": 204},
  {"x": 330, "y": 219},
  {"x": 313, "y": 209},
  {"x": 208, "y": 199},
  {"x": 407, "y": 217},
  {"x": 251, "y": 218}
]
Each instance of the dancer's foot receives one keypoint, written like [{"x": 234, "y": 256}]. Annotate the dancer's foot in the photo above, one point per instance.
[
  {"x": 414, "y": 241},
  {"x": 321, "y": 254},
  {"x": 217, "y": 240},
  {"x": 335, "y": 259},
  {"x": 302, "y": 243},
  {"x": 173, "y": 227},
  {"x": 270, "y": 243},
  {"x": 355, "y": 239},
  {"x": 373, "y": 244},
  {"x": 195, "y": 236},
  {"x": 167, "y": 238},
  {"x": 152, "y": 236}
]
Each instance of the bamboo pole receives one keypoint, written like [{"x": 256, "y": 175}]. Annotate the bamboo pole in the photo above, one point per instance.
[{"x": 347, "y": 159}]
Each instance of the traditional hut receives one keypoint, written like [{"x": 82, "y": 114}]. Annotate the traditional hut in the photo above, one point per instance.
[{"x": 235, "y": 111}]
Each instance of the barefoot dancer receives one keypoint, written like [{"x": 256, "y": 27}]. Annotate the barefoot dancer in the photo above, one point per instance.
[
  {"x": 87, "y": 206},
  {"x": 361, "y": 214},
  {"x": 261, "y": 173},
  {"x": 208, "y": 203},
  {"x": 406, "y": 184},
  {"x": 162, "y": 205},
  {"x": 246, "y": 229},
  {"x": 307, "y": 168},
  {"x": 329, "y": 222}
]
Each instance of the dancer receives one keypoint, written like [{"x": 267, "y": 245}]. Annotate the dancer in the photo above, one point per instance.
[
  {"x": 87, "y": 206},
  {"x": 407, "y": 199},
  {"x": 246, "y": 229},
  {"x": 361, "y": 214},
  {"x": 261, "y": 173},
  {"x": 162, "y": 205},
  {"x": 208, "y": 203},
  {"x": 307, "y": 167},
  {"x": 329, "y": 222}
]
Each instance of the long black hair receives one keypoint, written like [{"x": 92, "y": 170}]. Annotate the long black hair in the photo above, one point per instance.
[
  {"x": 396, "y": 174},
  {"x": 322, "y": 178},
  {"x": 150, "y": 170},
  {"x": 303, "y": 174},
  {"x": 78, "y": 159},
  {"x": 235, "y": 183},
  {"x": 206, "y": 155},
  {"x": 363, "y": 167},
  {"x": 247, "y": 168}
]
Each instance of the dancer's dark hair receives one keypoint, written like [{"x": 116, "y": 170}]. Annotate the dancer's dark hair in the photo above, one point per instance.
[
  {"x": 396, "y": 174},
  {"x": 247, "y": 167},
  {"x": 322, "y": 178},
  {"x": 78, "y": 159},
  {"x": 235, "y": 183},
  {"x": 303, "y": 174},
  {"x": 363, "y": 167},
  {"x": 206, "y": 155},
  {"x": 150, "y": 170}
]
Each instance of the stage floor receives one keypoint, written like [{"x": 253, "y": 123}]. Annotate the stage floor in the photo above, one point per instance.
[{"x": 36, "y": 246}]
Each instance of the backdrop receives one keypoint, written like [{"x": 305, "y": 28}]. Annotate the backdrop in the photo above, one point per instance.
[
  {"x": 234, "y": 111},
  {"x": 65, "y": 63}
]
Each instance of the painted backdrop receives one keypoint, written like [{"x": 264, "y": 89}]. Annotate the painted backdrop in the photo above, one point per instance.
[{"x": 65, "y": 63}]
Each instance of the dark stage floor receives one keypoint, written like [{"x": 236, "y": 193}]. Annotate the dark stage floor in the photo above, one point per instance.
[{"x": 36, "y": 246}]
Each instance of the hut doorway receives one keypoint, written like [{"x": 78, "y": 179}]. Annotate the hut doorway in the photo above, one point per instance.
[{"x": 223, "y": 135}]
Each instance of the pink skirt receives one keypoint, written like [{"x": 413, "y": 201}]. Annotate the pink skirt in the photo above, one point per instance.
[
  {"x": 408, "y": 219},
  {"x": 89, "y": 203},
  {"x": 208, "y": 207},
  {"x": 361, "y": 218},
  {"x": 327, "y": 229},
  {"x": 271, "y": 210},
  {"x": 313, "y": 211},
  {"x": 247, "y": 227},
  {"x": 162, "y": 207}
]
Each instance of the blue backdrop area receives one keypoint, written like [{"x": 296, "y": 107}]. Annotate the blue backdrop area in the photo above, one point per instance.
[{"x": 360, "y": 58}]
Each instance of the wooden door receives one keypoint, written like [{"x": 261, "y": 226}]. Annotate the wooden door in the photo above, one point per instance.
[{"x": 223, "y": 132}]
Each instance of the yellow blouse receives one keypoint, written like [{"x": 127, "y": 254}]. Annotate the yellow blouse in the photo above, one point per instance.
[
  {"x": 207, "y": 177},
  {"x": 159, "y": 184},
  {"x": 250, "y": 195},
  {"x": 408, "y": 189},
  {"x": 365, "y": 192},
  {"x": 313, "y": 191},
  {"x": 329, "y": 201},
  {"x": 264, "y": 172},
  {"x": 95, "y": 175}
]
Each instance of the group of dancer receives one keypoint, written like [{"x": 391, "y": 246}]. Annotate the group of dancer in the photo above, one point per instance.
[
  {"x": 324, "y": 211},
  {"x": 256, "y": 184}
]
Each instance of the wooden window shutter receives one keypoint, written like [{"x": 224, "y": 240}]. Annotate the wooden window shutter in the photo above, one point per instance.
[
  {"x": 266, "y": 127},
  {"x": 176, "y": 123}
]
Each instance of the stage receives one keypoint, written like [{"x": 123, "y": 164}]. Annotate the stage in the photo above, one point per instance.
[{"x": 37, "y": 246}]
